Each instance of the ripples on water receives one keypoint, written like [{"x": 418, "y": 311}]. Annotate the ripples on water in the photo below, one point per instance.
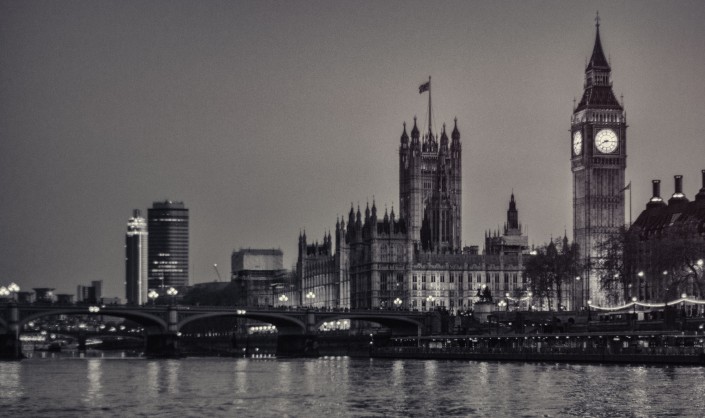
[{"x": 344, "y": 387}]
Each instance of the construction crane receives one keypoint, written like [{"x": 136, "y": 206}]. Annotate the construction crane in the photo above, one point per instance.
[{"x": 215, "y": 267}]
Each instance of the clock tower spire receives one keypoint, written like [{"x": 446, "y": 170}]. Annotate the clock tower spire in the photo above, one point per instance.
[{"x": 598, "y": 155}]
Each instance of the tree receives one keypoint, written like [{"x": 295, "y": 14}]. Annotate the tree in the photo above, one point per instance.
[
  {"x": 614, "y": 265},
  {"x": 656, "y": 268},
  {"x": 550, "y": 270}
]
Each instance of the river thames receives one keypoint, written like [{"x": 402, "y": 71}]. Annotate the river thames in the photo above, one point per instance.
[{"x": 345, "y": 387}]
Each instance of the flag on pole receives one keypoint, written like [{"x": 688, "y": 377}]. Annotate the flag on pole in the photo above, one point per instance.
[
  {"x": 425, "y": 86},
  {"x": 627, "y": 187}
]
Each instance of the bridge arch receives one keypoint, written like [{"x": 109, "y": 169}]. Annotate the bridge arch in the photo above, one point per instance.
[
  {"x": 401, "y": 324},
  {"x": 286, "y": 324},
  {"x": 141, "y": 318}
]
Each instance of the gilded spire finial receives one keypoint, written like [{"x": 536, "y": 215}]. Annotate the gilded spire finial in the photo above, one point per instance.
[{"x": 597, "y": 19}]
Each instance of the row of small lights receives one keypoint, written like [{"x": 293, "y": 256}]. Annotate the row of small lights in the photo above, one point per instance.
[
  {"x": 635, "y": 302},
  {"x": 263, "y": 329}
]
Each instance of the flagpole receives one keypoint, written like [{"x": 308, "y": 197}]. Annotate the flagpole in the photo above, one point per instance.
[
  {"x": 630, "y": 203},
  {"x": 429, "y": 108}
]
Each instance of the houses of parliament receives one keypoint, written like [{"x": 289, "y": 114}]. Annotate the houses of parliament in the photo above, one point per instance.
[{"x": 415, "y": 260}]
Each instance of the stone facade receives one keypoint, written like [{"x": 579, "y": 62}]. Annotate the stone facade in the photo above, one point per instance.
[
  {"x": 598, "y": 150},
  {"x": 414, "y": 261},
  {"x": 666, "y": 258}
]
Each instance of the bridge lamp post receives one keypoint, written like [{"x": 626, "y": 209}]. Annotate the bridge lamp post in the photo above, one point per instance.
[
  {"x": 501, "y": 304},
  {"x": 13, "y": 288},
  {"x": 153, "y": 295},
  {"x": 634, "y": 312},
  {"x": 310, "y": 296},
  {"x": 430, "y": 300},
  {"x": 397, "y": 303},
  {"x": 283, "y": 299},
  {"x": 4, "y": 292},
  {"x": 589, "y": 303},
  {"x": 172, "y": 293}
]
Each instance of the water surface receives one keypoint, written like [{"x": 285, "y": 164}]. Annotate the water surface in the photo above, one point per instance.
[{"x": 192, "y": 387}]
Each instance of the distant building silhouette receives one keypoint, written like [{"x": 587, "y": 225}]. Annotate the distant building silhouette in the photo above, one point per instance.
[
  {"x": 88, "y": 294},
  {"x": 136, "y": 260},
  {"x": 256, "y": 273},
  {"x": 168, "y": 225}
]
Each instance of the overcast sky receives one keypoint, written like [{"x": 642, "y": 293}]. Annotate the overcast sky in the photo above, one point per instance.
[{"x": 269, "y": 117}]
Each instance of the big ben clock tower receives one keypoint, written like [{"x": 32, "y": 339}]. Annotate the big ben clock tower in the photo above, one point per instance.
[{"x": 598, "y": 150}]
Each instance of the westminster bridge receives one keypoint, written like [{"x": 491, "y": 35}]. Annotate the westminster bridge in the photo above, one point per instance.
[{"x": 296, "y": 328}]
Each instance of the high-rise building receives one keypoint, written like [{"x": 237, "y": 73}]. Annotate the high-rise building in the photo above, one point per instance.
[
  {"x": 598, "y": 155},
  {"x": 168, "y": 244},
  {"x": 136, "y": 272}
]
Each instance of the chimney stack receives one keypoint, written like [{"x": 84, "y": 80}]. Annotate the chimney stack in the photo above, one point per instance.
[
  {"x": 679, "y": 185},
  {"x": 678, "y": 195},
  {"x": 656, "y": 200},
  {"x": 701, "y": 194}
]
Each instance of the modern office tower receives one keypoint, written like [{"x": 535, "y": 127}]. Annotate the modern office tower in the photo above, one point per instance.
[
  {"x": 168, "y": 244},
  {"x": 136, "y": 260}
]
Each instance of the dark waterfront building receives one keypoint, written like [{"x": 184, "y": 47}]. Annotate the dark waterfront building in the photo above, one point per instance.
[
  {"x": 168, "y": 243},
  {"x": 665, "y": 249},
  {"x": 136, "y": 272},
  {"x": 598, "y": 160},
  {"x": 64, "y": 299},
  {"x": 90, "y": 294},
  {"x": 257, "y": 273},
  {"x": 44, "y": 294}
]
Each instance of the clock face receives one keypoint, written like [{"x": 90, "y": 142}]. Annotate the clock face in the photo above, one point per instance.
[
  {"x": 606, "y": 141},
  {"x": 577, "y": 143}
]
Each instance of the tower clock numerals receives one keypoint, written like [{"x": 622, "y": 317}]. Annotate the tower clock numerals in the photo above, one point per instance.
[
  {"x": 606, "y": 141},
  {"x": 577, "y": 143}
]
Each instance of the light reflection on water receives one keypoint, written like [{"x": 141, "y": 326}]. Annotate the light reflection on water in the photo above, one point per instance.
[
  {"x": 343, "y": 387},
  {"x": 10, "y": 386},
  {"x": 94, "y": 390}
]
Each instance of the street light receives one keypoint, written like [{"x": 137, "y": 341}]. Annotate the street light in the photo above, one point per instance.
[
  {"x": 4, "y": 292},
  {"x": 153, "y": 295},
  {"x": 397, "y": 303},
  {"x": 430, "y": 300},
  {"x": 172, "y": 292},
  {"x": 283, "y": 298},
  {"x": 589, "y": 303},
  {"x": 634, "y": 308},
  {"x": 310, "y": 296},
  {"x": 13, "y": 288}
]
